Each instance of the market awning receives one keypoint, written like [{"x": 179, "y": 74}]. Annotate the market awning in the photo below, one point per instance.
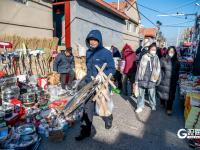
[
  {"x": 5, "y": 45},
  {"x": 187, "y": 44}
]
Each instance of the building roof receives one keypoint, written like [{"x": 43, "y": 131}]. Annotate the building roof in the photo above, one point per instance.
[
  {"x": 110, "y": 7},
  {"x": 148, "y": 32},
  {"x": 106, "y": 6},
  {"x": 122, "y": 5}
]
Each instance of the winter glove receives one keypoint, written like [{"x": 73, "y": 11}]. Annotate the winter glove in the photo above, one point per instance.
[{"x": 99, "y": 78}]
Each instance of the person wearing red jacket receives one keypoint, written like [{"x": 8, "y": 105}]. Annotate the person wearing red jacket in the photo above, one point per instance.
[{"x": 129, "y": 56}]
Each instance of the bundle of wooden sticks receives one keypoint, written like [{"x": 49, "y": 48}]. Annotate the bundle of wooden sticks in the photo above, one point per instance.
[{"x": 95, "y": 90}]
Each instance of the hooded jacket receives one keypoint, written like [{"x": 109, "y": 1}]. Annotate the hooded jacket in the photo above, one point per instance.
[
  {"x": 63, "y": 63},
  {"x": 130, "y": 58},
  {"x": 98, "y": 56},
  {"x": 116, "y": 52}
]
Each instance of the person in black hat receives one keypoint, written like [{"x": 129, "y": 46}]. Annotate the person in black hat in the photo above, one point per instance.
[{"x": 64, "y": 65}]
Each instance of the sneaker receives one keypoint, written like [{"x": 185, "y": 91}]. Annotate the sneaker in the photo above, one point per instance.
[{"x": 138, "y": 110}]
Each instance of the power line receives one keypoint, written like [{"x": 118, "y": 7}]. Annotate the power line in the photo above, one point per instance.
[
  {"x": 179, "y": 23},
  {"x": 171, "y": 26},
  {"x": 158, "y": 11},
  {"x": 183, "y": 5},
  {"x": 141, "y": 13}
]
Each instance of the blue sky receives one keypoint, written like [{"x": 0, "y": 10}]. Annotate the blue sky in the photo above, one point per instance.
[{"x": 169, "y": 7}]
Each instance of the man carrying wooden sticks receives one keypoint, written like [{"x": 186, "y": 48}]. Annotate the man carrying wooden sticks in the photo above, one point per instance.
[{"x": 96, "y": 55}]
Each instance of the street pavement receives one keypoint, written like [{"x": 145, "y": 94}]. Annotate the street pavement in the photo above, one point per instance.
[{"x": 146, "y": 131}]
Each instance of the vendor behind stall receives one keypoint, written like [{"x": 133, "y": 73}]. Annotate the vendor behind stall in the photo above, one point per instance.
[{"x": 64, "y": 65}]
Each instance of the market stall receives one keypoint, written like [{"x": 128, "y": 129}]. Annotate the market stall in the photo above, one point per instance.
[
  {"x": 190, "y": 93},
  {"x": 32, "y": 108}
]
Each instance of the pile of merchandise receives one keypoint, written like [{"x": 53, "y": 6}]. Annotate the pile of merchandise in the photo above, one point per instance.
[
  {"x": 190, "y": 93},
  {"x": 30, "y": 110},
  {"x": 32, "y": 104},
  {"x": 190, "y": 90}
]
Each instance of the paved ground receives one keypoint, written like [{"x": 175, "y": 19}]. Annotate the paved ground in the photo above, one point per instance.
[{"x": 147, "y": 131}]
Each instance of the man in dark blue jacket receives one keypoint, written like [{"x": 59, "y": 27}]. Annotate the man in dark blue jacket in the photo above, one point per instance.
[
  {"x": 64, "y": 64},
  {"x": 96, "y": 55}
]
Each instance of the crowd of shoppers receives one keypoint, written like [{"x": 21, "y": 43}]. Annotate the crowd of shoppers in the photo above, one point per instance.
[{"x": 150, "y": 70}]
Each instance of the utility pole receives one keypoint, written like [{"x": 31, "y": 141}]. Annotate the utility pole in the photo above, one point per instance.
[
  {"x": 158, "y": 24},
  {"x": 177, "y": 40}
]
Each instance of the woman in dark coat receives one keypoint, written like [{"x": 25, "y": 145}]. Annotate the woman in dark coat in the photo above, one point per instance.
[{"x": 170, "y": 75}]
